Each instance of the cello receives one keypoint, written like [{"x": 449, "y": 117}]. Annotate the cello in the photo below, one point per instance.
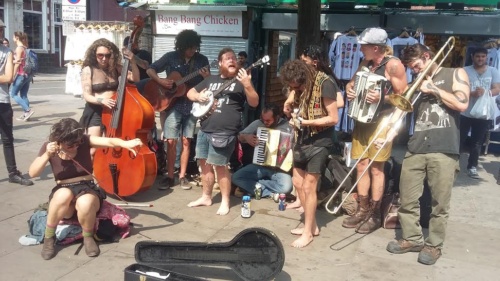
[{"x": 118, "y": 170}]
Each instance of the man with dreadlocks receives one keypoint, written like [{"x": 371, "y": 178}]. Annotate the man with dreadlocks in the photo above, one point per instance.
[{"x": 313, "y": 93}]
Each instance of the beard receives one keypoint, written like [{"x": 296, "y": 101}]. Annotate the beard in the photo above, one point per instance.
[{"x": 228, "y": 72}]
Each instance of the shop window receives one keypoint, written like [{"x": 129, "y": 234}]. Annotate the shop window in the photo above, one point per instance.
[
  {"x": 33, "y": 22},
  {"x": 286, "y": 48},
  {"x": 2, "y": 5},
  {"x": 58, "y": 12}
]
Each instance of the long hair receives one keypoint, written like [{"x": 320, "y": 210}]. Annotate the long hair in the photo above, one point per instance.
[
  {"x": 91, "y": 58},
  {"x": 315, "y": 52},
  {"x": 187, "y": 39},
  {"x": 67, "y": 130},
  {"x": 301, "y": 73}
]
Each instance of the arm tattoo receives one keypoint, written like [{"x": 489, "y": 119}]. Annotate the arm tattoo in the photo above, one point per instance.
[
  {"x": 392, "y": 70},
  {"x": 459, "y": 80},
  {"x": 460, "y": 96}
]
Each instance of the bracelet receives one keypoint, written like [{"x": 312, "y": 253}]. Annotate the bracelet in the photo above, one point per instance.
[{"x": 99, "y": 100}]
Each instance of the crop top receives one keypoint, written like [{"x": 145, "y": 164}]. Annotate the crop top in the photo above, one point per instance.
[{"x": 67, "y": 169}]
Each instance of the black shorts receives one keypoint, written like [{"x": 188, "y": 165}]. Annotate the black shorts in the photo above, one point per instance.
[
  {"x": 91, "y": 116},
  {"x": 315, "y": 164},
  {"x": 80, "y": 188}
]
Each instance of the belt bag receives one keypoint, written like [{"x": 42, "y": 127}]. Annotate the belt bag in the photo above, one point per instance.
[
  {"x": 220, "y": 140},
  {"x": 390, "y": 207}
]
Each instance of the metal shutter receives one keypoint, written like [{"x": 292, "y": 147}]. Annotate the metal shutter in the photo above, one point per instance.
[{"x": 210, "y": 46}]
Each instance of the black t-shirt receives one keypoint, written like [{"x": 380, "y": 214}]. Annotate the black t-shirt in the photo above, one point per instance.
[
  {"x": 144, "y": 55},
  {"x": 227, "y": 116},
  {"x": 324, "y": 138}
]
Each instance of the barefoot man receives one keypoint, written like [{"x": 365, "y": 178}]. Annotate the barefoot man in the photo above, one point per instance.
[
  {"x": 216, "y": 139},
  {"x": 314, "y": 94}
]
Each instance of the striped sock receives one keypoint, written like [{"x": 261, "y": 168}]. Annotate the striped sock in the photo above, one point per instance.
[
  {"x": 50, "y": 231},
  {"x": 87, "y": 233}
]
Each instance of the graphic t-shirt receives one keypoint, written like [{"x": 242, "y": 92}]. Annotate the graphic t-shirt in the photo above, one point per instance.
[
  {"x": 436, "y": 125},
  {"x": 229, "y": 105}
]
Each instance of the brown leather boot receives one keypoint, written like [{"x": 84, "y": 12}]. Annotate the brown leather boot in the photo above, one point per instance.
[
  {"x": 361, "y": 213},
  {"x": 373, "y": 221},
  {"x": 91, "y": 247},
  {"x": 48, "y": 250}
]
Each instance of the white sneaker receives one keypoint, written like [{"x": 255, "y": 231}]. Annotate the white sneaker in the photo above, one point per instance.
[
  {"x": 28, "y": 114},
  {"x": 21, "y": 118},
  {"x": 472, "y": 172}
]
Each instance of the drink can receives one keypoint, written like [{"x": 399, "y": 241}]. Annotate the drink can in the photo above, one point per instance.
[
  {"x": 258, "y": 191},
  {"x": 281, "y": 203},
  {"x": 245, "y": 207}
]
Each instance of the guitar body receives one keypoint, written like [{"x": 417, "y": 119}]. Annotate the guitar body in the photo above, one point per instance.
[{"x": 162, "y": 98}]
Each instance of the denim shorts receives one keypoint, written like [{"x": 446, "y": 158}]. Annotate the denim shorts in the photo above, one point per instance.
[
  {"x": 214, "y": 155},
  {"x": 176, "y": 124}
]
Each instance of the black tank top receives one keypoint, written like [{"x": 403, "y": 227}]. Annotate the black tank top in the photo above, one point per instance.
[{"x": 436, "y": 125}]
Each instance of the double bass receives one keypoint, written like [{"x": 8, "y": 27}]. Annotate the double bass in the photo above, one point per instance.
[{"x": 120, "y": 172}]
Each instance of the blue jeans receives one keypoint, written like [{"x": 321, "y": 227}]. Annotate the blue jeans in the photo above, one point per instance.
[
  {"x": 21, "y": 85},
  {"x": 177, "y": 125},
  {"x": 272, "y": 180}
]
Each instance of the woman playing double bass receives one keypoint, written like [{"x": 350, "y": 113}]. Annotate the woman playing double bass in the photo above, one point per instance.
[{"x": 100, "y": 75}]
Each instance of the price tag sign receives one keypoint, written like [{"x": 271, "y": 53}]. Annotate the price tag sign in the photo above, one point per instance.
[{"x": 74, "y": 10}]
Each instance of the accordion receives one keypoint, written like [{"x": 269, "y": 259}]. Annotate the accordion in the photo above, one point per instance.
[
  {"x": 273, "y": 149},
  {"x": 359, "y": 109}
]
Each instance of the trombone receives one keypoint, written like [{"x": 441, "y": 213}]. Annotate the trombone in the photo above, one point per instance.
[{"x": 403, "y": 102}]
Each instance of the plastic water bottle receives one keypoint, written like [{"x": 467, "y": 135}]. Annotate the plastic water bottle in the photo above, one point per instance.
[
  {"x": 245, "y": 207},
  {"x": 258, "y": 191},
  {"x": 282, "y": 204}
]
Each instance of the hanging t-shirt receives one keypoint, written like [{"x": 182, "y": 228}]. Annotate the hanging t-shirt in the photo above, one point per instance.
[
  {"x": 227, "y": 116},
  {"x": 398, "y": 44},
  {"x": 345, "y": 55},
  {"x": 492, "y": 57}
]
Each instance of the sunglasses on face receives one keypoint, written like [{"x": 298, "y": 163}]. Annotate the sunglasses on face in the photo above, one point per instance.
[{"x": 101, "y": 56}]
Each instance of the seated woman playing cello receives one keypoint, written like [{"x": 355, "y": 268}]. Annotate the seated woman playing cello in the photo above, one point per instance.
[{"x": 68, "y": 152}]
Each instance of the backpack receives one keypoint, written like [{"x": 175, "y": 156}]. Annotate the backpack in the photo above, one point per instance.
[{"x": 31, "y": 62}]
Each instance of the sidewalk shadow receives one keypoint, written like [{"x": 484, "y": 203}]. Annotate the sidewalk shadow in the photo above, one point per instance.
[
  {"x": 137, "y": 228},
  {"x": 52, "y": 118}
]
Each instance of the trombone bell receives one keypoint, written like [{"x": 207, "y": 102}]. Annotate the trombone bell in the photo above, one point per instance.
[{"x": 401, "y": 102}]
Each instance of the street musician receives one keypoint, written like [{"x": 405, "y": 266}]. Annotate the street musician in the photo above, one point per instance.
[{"x": 374, "y": 48}]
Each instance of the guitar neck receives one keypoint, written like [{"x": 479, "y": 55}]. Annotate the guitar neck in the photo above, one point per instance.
[{"x": 189, "y": 76}]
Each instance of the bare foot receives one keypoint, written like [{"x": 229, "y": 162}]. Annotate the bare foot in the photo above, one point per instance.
[
  {"x": 303, "y": 241},
  {"x": 202, "y": 201},
  {"x": 295, "y": 205},
  {"x": 223, "y": 210},
  {"x": 300, "y": 230}
]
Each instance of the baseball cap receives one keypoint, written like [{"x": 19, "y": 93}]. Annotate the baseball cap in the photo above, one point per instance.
[
  {"x": 373, "y": 35},
  {"x": 2, "y": 24}
]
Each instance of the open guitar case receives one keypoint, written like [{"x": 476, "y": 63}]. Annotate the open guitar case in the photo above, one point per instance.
[{"x": 254, "y": 254}]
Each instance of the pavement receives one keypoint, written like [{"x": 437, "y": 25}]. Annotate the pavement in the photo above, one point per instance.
[{"x": 470, "y": 251}]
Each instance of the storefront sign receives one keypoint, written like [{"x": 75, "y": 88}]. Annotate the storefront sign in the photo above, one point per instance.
[
  {"x": 226, "y": 24},
  {"x": 74, "y": 10}
]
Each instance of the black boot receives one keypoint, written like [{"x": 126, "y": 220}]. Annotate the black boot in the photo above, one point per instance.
[
  {"x": 17, "y": 177},
  {"x": 361, "y": 213},
  {"x": 373, "y": 220}
]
